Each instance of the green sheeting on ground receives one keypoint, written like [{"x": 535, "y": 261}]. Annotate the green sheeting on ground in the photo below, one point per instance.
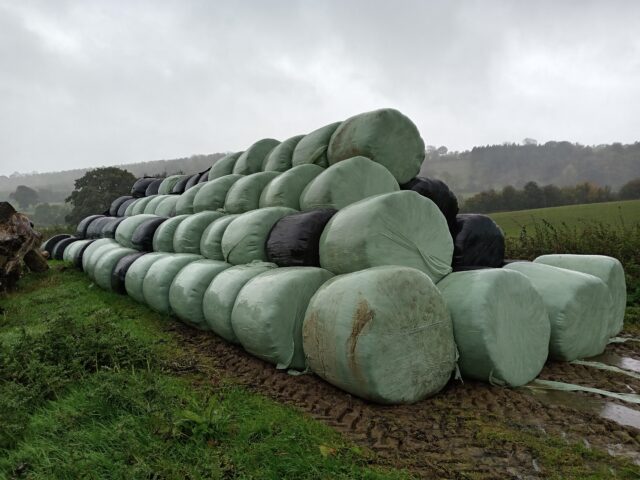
[
  {"x": 245, "y": 238},
  {"x": 184, "y": 205},
  {"x": 163, "y": 236},
  {"x": 269, "y": 310},
  {"x": 125, "y": 230},
  {"x": 253, "y": 157},
  {"x": 607, "y": 269},
  {"x": 188, "y": 287},
  {"x": 570, "y": 387},
  {"x": 312, "y": 149},
  {"x": 400, "y": 228},
  {"x": 220, "y": 296},
  {"x": 211, "y": 241},
  {"x": 385, "y": 136},
  {"x": 106, "y": 263},
  {"x": 214, "y": 193},
  {"x": 279, "y": 160},
  {"x": 578, "y": 306},
  {"x": 286, "y": 188},
  {"x": 141, "y": 205},
  {"x": 244, "y": 195},
  {"x": 167, "y": 207},
  {"x": 157, "y": 281},
  {"x": 71, "y": 252},
  {"x": 189, "y": 232},
  {"x": 500, "y": 325},
  {"x": 152, "y": 206},
  {"x": 224, "y": 166},
  {"x": 383, "y": 334},
  {"x": 168, "y": 183},
  {"x": 93, "y": 253},
  {"x": 134, "y": 278},
  {"x": 347, "y": 182},
  {"x": 128, "y": 211}
]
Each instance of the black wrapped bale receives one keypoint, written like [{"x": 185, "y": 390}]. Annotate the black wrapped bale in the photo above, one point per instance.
[
  {"x": 58, "y": 251},
  {"x": 81, "y": 230},
  {"x": 94, "y": 230},
  {"x": 120, "y": 271},
  {"x": 152, "y": 188},
  {"x": 204, "y": 176},
  {"x": 142, "y": 238},
  {"x": 294, "y": 240},
  {"x": 139, "y": 188},
  {"x": 193, "y": 180},
  {"x": 180, "y": 185},
  {"x": 478, "y": 242},
  {"x": 109, "y": 228},
  {"x": 117, "y": 203},
  {"x": 124, "y": 206},
  {"x": 77, "y": 261},
  {"x": 50, "y": 244},
  {"x": 439, "y": 193}
]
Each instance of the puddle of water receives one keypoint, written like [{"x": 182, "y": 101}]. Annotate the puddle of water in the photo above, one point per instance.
[{"x": 626, "y": 363}]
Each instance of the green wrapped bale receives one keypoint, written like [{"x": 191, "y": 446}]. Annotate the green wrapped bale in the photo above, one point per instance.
[
  {"x": 500, "y": 325},
  {"x": 188, "y": 287},
  {"x": 141, "y": 205},
  {"x": 399, "y": 228},
  {"x": 189, "y": 231},
  {"x": 385, "y": 136},
  {"x": 224, "y": 166},
  {"x": 166, "y": 187},
  {"x": 347, "y": 182},
  {"x": 220, "y": 296},
  {"x": 578, "y": 306},
  {"x": 163, "y": 236},
  {"x": 71, "y": 252},
  {"x": 106, "y": 263},
  {"x": 269, "y": 311},
  {"x": 244, "y": 195},
  {"x": 134, "y": 278},
  {"x": 285, "y": 190},
  {"x": 157, "y": 281},
  {"x": 607, "y": 269},
  {"x": 252, "y": 159},
  {"x": 125, "y": 229},
  {"x": 211, "y": 241},
  {"x": 312, "y": 149},
  {"x": 244, "y": 240},
  {"x": 184, "y": 205},
  {"x": 93, "y": 253},
  {"x": 214, "y": 193},
  {"x": 167, "y": 207},
  {"x": 383, "y": 334},
  {"x": 129, "y": 210},
  {"x": 279, "y": 160},
  {"x": 152, "y": 206}
]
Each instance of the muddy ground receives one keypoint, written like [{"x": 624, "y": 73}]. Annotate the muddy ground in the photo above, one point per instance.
[{"x": 470, "y": 429}]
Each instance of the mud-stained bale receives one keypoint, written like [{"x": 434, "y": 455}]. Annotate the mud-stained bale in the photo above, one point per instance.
[
  {"x": 286, "y": 188},
  {"x": 95, "y": 228},
  {"x": 153, "y": 187},
  {"x": 140, "y": 206},
  {"x": 119, "y": 272},
  {"x": 139, "y": 188},
  {"x": 122, "y": 211},
  {"x": 189, "y": 232},
  {"x": 78, "y": 254},
  {"x": 157, "y": 281},
  {"x": 117, "y": 203},
  {"x": 347, "y": 182},
  {"x": 478, "y": 242},
  {"x": 61, "y": 246},
  {"x": 400, "y": 228},
  {"x": 221, "y": 294},
  {"x": 153, "y": 204},
  {"x": 269, "y": 311},
  {"x": 71, "y": 252},
  {"x": 294, "y": 241},
  {"x": 83, "y": 225},
  {"x": 383, "y": 334},
  {"x": 279, "y": 160},
  {"x": 607, "y": 269},
  {"x": 124, "y": 232},
  {"x": 109, "y": 228},
  {"x": 212, "y": 196},
  {"x": 106, "y": 263},
  {"x": 188, "y": 287},
  {"x": 184, "y": 205},
  {"x": 142, "y": 238},
  {"x": 180, "y": 185},
  {"x": 312, "y": 149},
  {"x": 252, "y": 158},
  {"x": 579, "y": 306},
  {"x": 134, "y": 277},
  {"x": 167, "y": 207},
  {"x": 245, "y": 238},
  {"x": 439, "y": 193},
  {"x": 500, "y": 325},
  {"x": 244, "y": 195},
  {"x": 224, "y": 166},
  {"x": 94, "y": 251},
  {"x": 163, "y": 236},
  {"x": 211, "y": 241},
  {"x": 166, "y": 187},
  {"x": 192, "y": 182},
  {"x": 129, "y": 211},
  {"x": 49, "y": 244}
]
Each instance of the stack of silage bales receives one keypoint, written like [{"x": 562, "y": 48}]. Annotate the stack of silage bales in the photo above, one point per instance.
[{"x": 326, "y": 252}]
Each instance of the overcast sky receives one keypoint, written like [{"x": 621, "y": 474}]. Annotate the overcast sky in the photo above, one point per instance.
[{"x": 86, "y": 83}]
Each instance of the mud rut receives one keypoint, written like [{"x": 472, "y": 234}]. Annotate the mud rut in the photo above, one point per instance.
[{"x": 445, "y": 436}]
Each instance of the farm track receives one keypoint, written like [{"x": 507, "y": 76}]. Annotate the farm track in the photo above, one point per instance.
[{"x": 456, "y": 434}]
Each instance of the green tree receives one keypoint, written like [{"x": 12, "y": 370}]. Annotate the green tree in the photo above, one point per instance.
[
  {"x": 630, "y": 190},
  {"x": 45, "y": 215},
  {"x": 25, "y": 196},
  {"x": 94, "y": 192}
]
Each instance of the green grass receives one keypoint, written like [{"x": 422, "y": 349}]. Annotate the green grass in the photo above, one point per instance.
[{"x": 92, "y": 385}]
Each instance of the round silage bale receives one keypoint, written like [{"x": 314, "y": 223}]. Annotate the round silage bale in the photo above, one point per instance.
[
  {"x": 500, "y": 325},
  {"x": 180, "y": 185},
  {"x": 221, "y": 294},
  {"x": 142, "y": 238},
  {"x": 286, "y": 188},
  {"x": 49, "y": 244},
  {"x": 279, "y": 160},
  {"x": 93, "y": 252},
  {"x": 166, "y": 187},
  {"x": 578, "y": 305},
  {"x": 312, "y": 149},
  {"x": 188, "y": 287},
  {"x": 244, "y": 195},
  {"x": 94, "y": 230},
  {"x": 137, "y": 271},
  {"x": 58, "y": 251},
  {"x": 244, "y": 240},
  {"x": 83, "y": 225},
  {"x": 607, "y": 269},
  {"x": 383, "y": 334},
  {"x": 211, "y": 241},
  {"x": 79, "y": 254},
  {"x": 163, "y": 236},
  {"x": 347, "y": 182},
  {"x": 213, "y": 195},
  {"x": 122, "y": 210},
  {"x": 152, "y": 188},
  {"x": 192, "y": 182},
  {"x": 129, "y": 210},
  {"x": 224, "y": 166},
  {"x": 399, "y": 228},
  {"x": 106, "y": 263},
  {"x": 126, "y": 229},
  {"x": 117, "y": 203},
  {"x": 478, "y": 241},
  {"x": 71, "y": 252},
  {"x": 141, "y": 205},
  {"x": 152, "y": 206},
  {"x": 167, "y": 207},
  {"x": 253, "y": 157},
  {"x": 439, "y": 193},
  {"x": 110, "y": 227},
  {"x": 157, "y": 281},
  {"x": 269, "y": 310},
  {"x": 184, "y": 205},
  {"x": 189, "y": 231},
  {"x": 119, "y": 272}
]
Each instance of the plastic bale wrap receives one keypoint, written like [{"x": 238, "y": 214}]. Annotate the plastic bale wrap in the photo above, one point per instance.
[
  {"x": 347, "y": 182},
  {"x": 211, "y": 241},
  {"x": 129, "y": 211},
  {"x": 109, "y": 228},
  {"x": 223, "y": 166},
  {"x": 93, "y": 253},
  {"x": 400, "y": 228},
  {"x": 294, "y": 241},
  {"x": 244, "y": 195},
  {"x": 152, "y": 206},
  {"x": 189, "y": 232},
  {"x": 136, "y": 273},
  {"x": 184, "y": 205},
  {"x": 167, "y": 207},
  {"x": 142, "y": 238},
  {"x": 163, "y": 236},
  {"x": 383, "y": 334},
  {"x": 71, "y": 252},
  {"x": 122, "y": 211},
  {"x": 221, "y": 294},
  {"x": 244, "y": 240},
  {"x": 252, "y": 159},
  {"x": 141, "y": 205},
  {"x": 500, "y": 325},
  {"x": 188, "y": 287},
  {"x": 61, "y": 246},
  {"x": 286, "y": 188},
  {"x": 607, "y": 269},
  {"x": 153, "y": 187},
  {"x": 157, "y": 281},
  {"x": 117, "y": 203},
  {"x": 478, "y": 242},
  {"x": 279, "y": 160},
  {"x": 192, "y": 182},
  {"x": 106, "y": 263},
  {"x": 140, "y": 186},
  {"x": 204, "y": 176},
  {"x": 124, "y": 232},
  {"x": 385, "y": 136},
  {"x": 578, "y": 305},
  {"x": 439, "y": 193},
  {"x": 180, "y": 185},
  {"x": 50, "y": 243},
  {"x": 269, "y": 311},
  {"x": 166, "y": 187},
  {"x": 312, "y": 149},
  {"x": 213, "y": 195},
  {"x": 79, "y": 254},
  {"x": 94, "y": 230},
  {"x": 119, "y": 272},
  {"x": 83, "y": 225}
]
